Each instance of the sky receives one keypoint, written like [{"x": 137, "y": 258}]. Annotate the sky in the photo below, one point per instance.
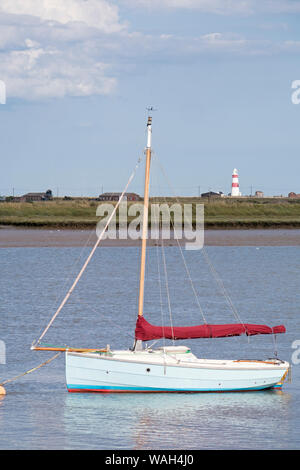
[{"x": 79, "y": 75}]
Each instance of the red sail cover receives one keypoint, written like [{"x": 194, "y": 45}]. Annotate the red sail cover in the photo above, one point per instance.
[{"x": 145, "y": 331}]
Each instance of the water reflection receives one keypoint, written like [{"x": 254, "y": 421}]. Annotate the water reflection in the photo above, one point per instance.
[{"x": 179, "y": 421}]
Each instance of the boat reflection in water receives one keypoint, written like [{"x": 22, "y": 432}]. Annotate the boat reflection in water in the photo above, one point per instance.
[{"x": 179, "y": 421}]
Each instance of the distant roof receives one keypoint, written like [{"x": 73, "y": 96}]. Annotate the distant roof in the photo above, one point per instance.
[
  {"x": 34, "y": 194},
  {"x": 211, "y": 193},
  {"x": 119, "y": 194}
]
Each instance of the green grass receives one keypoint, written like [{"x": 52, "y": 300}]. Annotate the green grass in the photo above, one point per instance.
[{"x": 219, "y": 213}]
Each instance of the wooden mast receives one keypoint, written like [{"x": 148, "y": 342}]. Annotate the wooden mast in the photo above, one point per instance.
[{"x": 145, "y": 218}]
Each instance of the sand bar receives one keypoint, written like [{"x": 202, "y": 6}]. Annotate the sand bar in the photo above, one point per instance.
[{"x": 15, "y": 237}]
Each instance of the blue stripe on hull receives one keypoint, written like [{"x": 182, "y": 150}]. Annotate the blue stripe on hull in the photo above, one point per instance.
[{"x": 103, "y": 389}]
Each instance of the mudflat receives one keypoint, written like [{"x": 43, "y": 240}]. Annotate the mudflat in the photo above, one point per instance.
[{"x": 19, "y": 237}]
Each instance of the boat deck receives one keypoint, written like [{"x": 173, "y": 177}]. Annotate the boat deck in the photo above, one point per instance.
[{"x": 182, "y": 356}]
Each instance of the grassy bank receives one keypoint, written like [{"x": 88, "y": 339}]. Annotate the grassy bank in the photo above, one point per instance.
[{"x": 219, "y": 213}]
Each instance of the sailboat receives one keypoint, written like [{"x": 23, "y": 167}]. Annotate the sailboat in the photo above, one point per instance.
[{"x": 166, "y": 368}]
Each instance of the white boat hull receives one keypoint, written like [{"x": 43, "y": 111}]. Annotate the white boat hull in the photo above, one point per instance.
[{"x": 155, "y": 371}]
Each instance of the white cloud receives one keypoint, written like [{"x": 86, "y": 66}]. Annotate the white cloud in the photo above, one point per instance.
[
  {"x": 210, "y": 6},
  {"x": 181, "y": 49},
  {"x": 38, "y": 73},
  {"x": 54, "y": 48},
  {"x": 229, "y": 41},
  {"x": 100, "y": 14},
  {"x": 227, "y": 7}
]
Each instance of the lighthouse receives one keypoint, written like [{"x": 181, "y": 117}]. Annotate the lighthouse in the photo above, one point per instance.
[{"x": 235, "y": 189}]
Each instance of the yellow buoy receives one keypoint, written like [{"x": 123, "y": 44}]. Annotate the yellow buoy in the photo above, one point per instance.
[{"x": 2, "y": 391}]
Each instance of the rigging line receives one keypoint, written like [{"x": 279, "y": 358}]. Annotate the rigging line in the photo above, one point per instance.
[
  {"x": 223, "y": 290},
  {"x": 166, "y": 278},
  {"x": 157, "y": 222},
  {"x": 75, "y": 263},
  {"x": 91, "y": 253},
  {"x": 214, "y": 272},
  {"x": 137, "y": 280},
  {"x": 186, "y": 266},
  {"x": 160, "y": 241},
  {"x": 274, "y": 337},
  {"x": 159, "y": 282},
  {"x": 167, "y": 287},
  {"x": 161, "y": 309},
  {"x": 160, "y": 294}
]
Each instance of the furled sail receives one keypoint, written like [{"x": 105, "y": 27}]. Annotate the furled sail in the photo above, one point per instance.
[{"x": 144, "y": 331}]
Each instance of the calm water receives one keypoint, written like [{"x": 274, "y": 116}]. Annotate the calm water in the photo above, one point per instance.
[{"x": 38, "y": 412}]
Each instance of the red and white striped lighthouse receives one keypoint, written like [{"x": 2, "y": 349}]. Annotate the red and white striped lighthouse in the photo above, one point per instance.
[{"x": 235, "y": 188}]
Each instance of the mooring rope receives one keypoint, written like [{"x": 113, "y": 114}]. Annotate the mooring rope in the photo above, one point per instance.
[{"x": 31, "y": 370}]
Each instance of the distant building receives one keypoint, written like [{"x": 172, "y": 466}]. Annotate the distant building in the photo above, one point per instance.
[
  {"x": 13, "y": 199},
  {"x": 212, "y": 194},
  {"x": 116, "y": 197},
  {"x": 294, "y": 195},
  {"x": 259, "y": 194},
  {"x": 30, "y": 197}
]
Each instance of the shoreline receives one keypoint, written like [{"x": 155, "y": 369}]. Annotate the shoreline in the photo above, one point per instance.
[
  {"x": 239, "y": 224},
  {"x": 219, "y": 213},
  {"x": 14, "y": 237}
]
